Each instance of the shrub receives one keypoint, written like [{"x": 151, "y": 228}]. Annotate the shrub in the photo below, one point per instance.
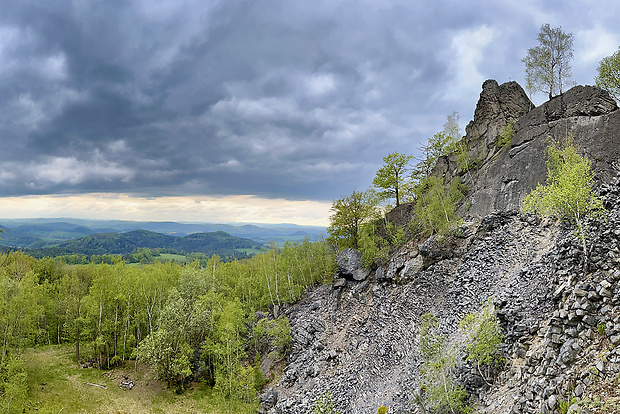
[
  {"x": 374, "y": 247},
  {"x": 568, "y": 193},
  {"x": 325, "y": 405},
  {"x": 505, "y": 136},
  {"x": 483, "y": 337},
  {"x": 438, "y": 386}
]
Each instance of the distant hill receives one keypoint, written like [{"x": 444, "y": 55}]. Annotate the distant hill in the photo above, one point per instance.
[
  {"x": 217, "y": 242},
  {"x": 45, "y": 233}
]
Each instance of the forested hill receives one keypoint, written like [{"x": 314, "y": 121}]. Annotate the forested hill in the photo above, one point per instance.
[{"x": 217, "y": 242}]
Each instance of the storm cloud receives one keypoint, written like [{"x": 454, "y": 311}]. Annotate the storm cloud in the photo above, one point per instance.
[{"x": 276, "y": 99}]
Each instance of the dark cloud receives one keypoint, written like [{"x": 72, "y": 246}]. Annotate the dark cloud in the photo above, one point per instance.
[{"x": 297, "y": 100}]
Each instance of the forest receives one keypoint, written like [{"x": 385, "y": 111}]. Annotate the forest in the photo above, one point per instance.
[{"x": 191, "y": 323}]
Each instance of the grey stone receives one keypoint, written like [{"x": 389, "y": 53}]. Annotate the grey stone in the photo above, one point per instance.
[{"x": 349, "y": 265}]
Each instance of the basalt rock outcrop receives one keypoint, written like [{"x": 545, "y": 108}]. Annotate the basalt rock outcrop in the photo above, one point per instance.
[
  {"x": 357, "y": 339},
  {"x": 505, "y": 175}
]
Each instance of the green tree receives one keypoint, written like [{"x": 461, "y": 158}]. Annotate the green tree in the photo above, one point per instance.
[
  {"x": 390, "y": 178},
  {"x": 568, "y": 193},
  {"x": 438, "y": 388},
  {"x": 435, "y": 206},
  {"x": 484, "y": 336},
  {"x": 547, "y": 66},
  {"x": 608, "y": 75},
  {"x": 438, "y": 145},
  {"x": 349, "y": 214},
  {"x": 13, "y": 386}
]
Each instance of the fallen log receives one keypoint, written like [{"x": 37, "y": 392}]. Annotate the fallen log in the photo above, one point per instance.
[{"x": 97, "y": 385}]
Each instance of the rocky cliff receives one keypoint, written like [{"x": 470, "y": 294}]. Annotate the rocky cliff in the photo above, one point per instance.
[{"x": 357, "y": 339}]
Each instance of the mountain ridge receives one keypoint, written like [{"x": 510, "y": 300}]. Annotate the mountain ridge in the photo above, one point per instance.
[{"x": 37, "y": 233}]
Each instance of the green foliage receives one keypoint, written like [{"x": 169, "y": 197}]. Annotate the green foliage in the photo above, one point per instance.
[
  {"x": 188, "y": 322},
  {"x": 374, "y": 247},
  {"x": 601, "y": 329},
  {"x": 349, "y": 214},
  {"x": 454, "y": 145},
  {"x": 547, "y": 66},
  {"x": 274, "y": 334},
  {"x": 439, "y": 390},
  {"x": 505, "y": 136},
  {"x": 390, "y": 178},
  {"x": 564, "y": 405},
  {"x": 608, "y": 75},
  {"x": 484, "y": 336},
  {"x": 171, "y": 358},
  {"x": 13, "y": 385},
  {"x": 438, "y": 145},
  {"x": 382, "y": 410},
  {"x": 435, "y": 207},
  {"x": 325, "y": 405},
  {"x": 568, "y": 193}
]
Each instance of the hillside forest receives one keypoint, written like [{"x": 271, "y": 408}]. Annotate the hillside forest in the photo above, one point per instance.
[{"x": 191, "y": 323}]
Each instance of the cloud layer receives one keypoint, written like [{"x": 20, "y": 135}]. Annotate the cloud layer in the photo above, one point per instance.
[{"x": 277, "y": 99}]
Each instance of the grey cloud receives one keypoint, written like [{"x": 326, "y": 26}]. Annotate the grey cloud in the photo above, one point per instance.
[{"x": 274, "y": 98}]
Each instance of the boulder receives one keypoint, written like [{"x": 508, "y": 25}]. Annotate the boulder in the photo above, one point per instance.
[{"x": 349, "y": 265}]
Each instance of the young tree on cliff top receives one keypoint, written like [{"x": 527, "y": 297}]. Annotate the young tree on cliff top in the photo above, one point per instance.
[
  {"x": 390, "y": 178},
  {"x": 349, "y": 214},
  {"x": 608, "y": 76},
  {"x": 547, "y": 66},
  {"x": 568, "y": 193}
]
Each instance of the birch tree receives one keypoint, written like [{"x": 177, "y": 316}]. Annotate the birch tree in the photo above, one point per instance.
[
  {"x": 547, "y": 66},
  {"x": 568, "y": 193}
]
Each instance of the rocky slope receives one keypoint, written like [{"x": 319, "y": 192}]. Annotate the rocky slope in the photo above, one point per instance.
[{"x": 357, "y": 339}]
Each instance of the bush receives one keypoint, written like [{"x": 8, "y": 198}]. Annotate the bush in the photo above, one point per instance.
[
  {"x": 483, "y": 337},
  {"x": 439, "y": 389},
  {"x": 505, "y": 136},
  {"x": 374, "y": 247},
  {"x": 325, "y": 405},
  {"x": 435, "y": 207}
]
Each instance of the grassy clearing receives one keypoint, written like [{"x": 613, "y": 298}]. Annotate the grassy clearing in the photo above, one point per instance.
[
  {"x": 176, "y": 257},
  {"x": 57, "y": 385}
]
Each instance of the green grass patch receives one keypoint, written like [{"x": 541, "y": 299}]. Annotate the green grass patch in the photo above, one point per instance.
[
  {"x": 173, "y": 257},
  {"x": 57, "y": 385}
]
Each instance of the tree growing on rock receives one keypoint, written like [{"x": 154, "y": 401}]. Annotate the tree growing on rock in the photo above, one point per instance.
[
  {"x": 608, "y": 75},
  {"x": 439, "y": 391},
  {"x": 483, "y": 338},
  {"x": 568, "y": 193},
  {"x": 547, "y": 66},
  {"x": 391, "y": 177},
  {"x": 349, "y": 214}
]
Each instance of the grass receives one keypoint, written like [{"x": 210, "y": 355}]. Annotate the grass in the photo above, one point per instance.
[
  {"x": 57, "y": 385},
  {"x": 176, "y": 257}
]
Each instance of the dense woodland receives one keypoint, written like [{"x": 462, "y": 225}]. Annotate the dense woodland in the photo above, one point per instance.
[{"x": 191, "y": 323}]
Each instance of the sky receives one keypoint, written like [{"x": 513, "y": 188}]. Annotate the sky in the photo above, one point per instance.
[{"x": 260, "y": 111}]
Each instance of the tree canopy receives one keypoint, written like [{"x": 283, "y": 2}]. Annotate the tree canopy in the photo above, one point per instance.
[
  {"x": 568, "y": 193},
  {"x": 349, "y": 214},
  {"x": 547, "y": 66},
  {"x": 391, "y": 177},
  {"x": 608, "y": 75}
]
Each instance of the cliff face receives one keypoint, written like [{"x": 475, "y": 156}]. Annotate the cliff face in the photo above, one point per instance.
[
  {"x": 357, "y": 339},
  {"x": 587, "y": 114}
]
